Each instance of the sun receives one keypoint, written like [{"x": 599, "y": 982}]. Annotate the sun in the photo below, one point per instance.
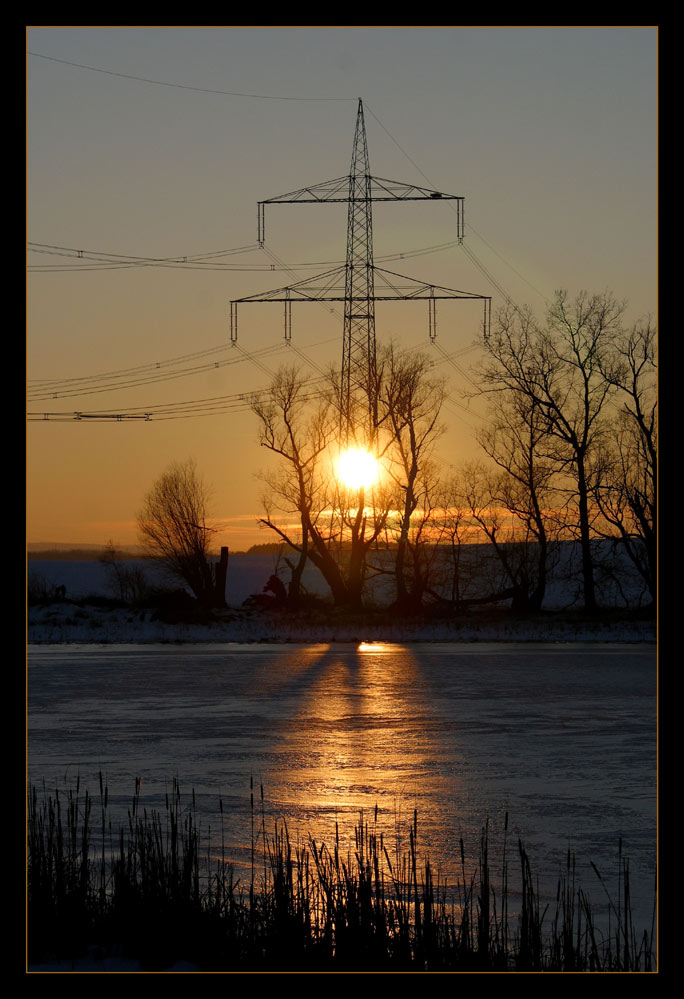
[{"x": 357, "y": 468}]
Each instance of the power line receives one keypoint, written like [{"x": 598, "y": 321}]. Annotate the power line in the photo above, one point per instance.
[
  {"x": 506, "y": 262},
  {"x": 144, "y": 375},
  {"x": 50, "y": 385},
  {"x": 181, "y": 86},
  {"x": 111, "y": 261},
  {"x": 306, "y": 359},
  {"x": 44, "y": 382},
  {"x": 400, "y": 148},
  {"x": 486, "y": 274},
  {"x": 291, "y": 271},
  {"x": 126, "y": 378},
  {"x": 211, "y": 405},
  {"x": 101, "y": 260},
  {"x": 450, "y": 360},
  {"x": 469, "y": 252},
  {"x": 116, "y": 383},
  {"x": 156, "y": 365},
  {"x": 136, "y": 258}
]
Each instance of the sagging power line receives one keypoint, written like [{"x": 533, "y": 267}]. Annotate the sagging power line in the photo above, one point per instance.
[{"x": 363, "y": 284}]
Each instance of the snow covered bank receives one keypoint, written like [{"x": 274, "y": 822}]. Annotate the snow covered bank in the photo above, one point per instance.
[
  {"x": 74, "y": 619},
  {"x": 65, "y": 622}
]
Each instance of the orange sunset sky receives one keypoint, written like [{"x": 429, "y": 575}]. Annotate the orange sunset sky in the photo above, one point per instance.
[{"x": 148, "y": 149}]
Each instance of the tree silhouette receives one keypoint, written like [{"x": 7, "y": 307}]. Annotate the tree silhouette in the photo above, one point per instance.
[
  {"x": 173, "y": 530},
  {"x": 337, "y": 526},
  {"x": 564, "y": 369}
]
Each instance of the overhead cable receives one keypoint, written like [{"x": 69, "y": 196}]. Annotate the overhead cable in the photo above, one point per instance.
[
  {"x": 181, "y": 86},
  {"x": 96, "y": 260}
]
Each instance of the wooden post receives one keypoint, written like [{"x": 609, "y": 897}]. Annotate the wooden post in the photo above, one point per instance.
[{"x": 221, "y": 574}]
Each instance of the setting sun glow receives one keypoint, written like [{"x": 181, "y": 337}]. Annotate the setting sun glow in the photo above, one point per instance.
[{"x": 357, "y": 469}]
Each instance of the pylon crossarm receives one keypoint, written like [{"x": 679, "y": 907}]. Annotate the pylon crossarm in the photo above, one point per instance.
[
  {"x": 418, "y": 289},
  {"x": 328, "y": 190},
  {"x": 381, "y": 189},
  {"x": 367, "y": 189},
  {"x": 307, "y": 289},
  {"x": 395, "y": 190},
  {"x": 329, "y": 286}
]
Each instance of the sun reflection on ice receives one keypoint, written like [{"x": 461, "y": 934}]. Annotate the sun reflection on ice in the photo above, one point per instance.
[
  {"x": 377, "y": 647},
  {"x": 362, "y": 740}
]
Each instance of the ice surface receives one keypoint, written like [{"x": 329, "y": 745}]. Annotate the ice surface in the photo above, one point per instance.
[
  {"x": 460, "y": 720},
  {"x": 562, "y": 737}
]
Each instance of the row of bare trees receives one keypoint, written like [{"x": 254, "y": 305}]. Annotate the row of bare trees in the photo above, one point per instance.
[
  {"x": 574, "y": 426},
  {"x": 569, "y": 452}
]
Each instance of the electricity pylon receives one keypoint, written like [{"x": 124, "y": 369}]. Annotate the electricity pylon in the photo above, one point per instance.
[
  {"x": 358, "y": 343},
  {"x": 359, "y": 284}
]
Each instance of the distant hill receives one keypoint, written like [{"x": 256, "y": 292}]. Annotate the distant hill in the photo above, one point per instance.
[
  {"x": 56, "y": 552},
  {"x": 274, "y": 547},
  {"x": 270, "y": 548},
  {"x": 56, "y": 546}
]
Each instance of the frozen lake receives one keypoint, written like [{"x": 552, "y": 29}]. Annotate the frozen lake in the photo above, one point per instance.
[{"x": 562, "y": 737}]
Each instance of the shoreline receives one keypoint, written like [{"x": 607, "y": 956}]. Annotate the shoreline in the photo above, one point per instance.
[{"x": 81, "y": 623}]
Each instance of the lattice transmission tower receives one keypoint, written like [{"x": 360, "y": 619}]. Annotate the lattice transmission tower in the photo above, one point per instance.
[{"x": 359, "y": 284}]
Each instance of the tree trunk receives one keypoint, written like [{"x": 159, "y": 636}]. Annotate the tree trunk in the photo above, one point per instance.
[
  {"x": 400, "y": 562},
  {"x": 536, "y": 598},
  {"x": 296, "y": 572},
  {"x": 585, "y": 538}
]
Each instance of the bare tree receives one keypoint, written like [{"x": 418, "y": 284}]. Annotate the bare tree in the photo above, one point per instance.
[
  {"x": 513, "y": 545},
  {"x": 298, "y": 426},
  {"x": 514, "y": 439},
  {"x": 455, "y": 533},
  {"x": 561, "y": 369},
  {"x": 627, "y": 472},
  {"x": 173, "y": 529},
  {"x": 337, "y": 525},
  {"x": 127, "y": 582},
  {"x": 411, "y": 399}
]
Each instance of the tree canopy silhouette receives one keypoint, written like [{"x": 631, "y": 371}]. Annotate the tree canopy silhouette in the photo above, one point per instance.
[{"x": 173, "y": 530}]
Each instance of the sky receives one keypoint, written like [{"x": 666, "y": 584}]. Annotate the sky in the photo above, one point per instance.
[{"x": 157, "y": 142}]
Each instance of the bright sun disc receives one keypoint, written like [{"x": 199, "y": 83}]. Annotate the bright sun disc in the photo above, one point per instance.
[{"x": 357, "y": 468}]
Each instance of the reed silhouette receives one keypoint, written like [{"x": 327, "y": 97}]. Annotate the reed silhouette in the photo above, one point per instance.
[{"x": 153, "y": 892}]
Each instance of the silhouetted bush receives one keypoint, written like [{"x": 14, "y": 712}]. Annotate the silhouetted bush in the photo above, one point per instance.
[
  {"x": 41, "y": 591},
  {"x": 176, "y": 607}
]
